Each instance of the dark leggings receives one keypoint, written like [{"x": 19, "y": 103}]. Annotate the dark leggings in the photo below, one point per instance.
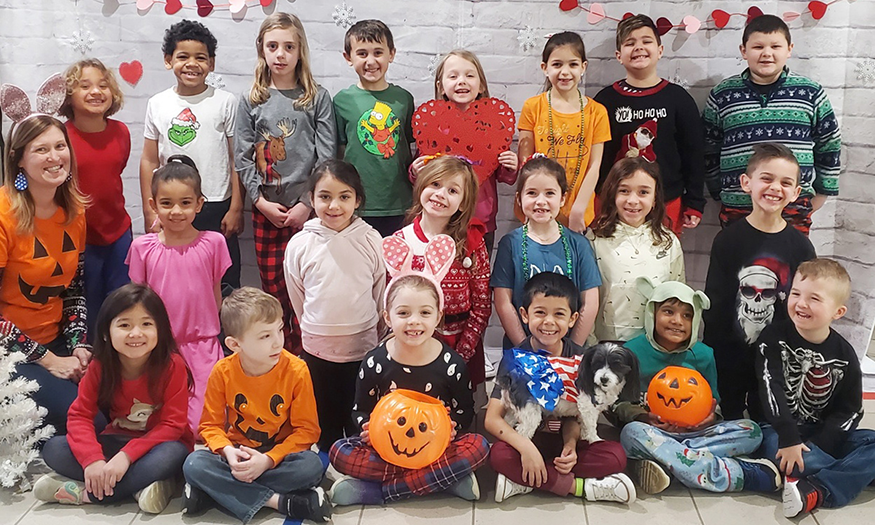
[
  {"x": 164, "y": 461},
  {"x": 334, "y": 389}
]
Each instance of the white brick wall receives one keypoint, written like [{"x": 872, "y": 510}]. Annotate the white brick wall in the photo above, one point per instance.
[{"x": 32, "y": 46}]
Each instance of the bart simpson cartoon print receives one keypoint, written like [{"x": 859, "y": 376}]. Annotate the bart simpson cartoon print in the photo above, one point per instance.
[
  {"x": 183, "y": 128},
  {"x": 378, "y": 130},
  {"x": 272, "y": 150}
]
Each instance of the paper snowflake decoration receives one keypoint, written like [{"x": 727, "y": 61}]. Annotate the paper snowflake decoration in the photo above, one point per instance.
[
  {"x": 215, "y": 81},
  {"x": 343, "y": 16},
  {"x": 527, "y": 38},
  {"x": 865, "y": 71},
  {"x": 677, "y": 79},
  {"x": 433, "y": 64},
  {"x": 81, "y": 41}
]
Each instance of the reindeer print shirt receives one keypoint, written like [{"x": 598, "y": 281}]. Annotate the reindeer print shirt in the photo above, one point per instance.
[
  {"x": 198, "y": 126},
  {"x": 808, "y": 392},
  {"x": 277, "y": 145}
]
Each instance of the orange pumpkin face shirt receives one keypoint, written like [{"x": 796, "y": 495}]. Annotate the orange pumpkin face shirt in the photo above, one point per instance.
[{"x": 37, "y": 268}]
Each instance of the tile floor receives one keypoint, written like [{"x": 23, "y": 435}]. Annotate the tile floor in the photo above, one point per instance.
[{"x": 676, "y": 506}]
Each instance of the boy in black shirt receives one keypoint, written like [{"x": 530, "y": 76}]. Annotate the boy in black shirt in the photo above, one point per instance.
[
  {"x": 652, "y": 118},
  {"x": 752, "y": 264},
  {"x": 810, "y": 388}
]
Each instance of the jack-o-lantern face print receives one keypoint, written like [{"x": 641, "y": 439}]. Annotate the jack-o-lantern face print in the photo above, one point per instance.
[
  {"x": 277, "y": 406},
  {"x": 410, "y": 429},
  {"x": 680, "y": 396},
  {"x": 46, "y": 277}
]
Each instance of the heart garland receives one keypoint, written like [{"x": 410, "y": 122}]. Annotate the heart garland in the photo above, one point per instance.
[
  {"x": 204, "y": 7},
  {"x": 478, "y": 134},
  {"x": 596, "y": 13}
]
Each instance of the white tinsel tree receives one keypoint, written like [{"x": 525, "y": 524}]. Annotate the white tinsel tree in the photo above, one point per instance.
[{"x": 20, "y": 418}]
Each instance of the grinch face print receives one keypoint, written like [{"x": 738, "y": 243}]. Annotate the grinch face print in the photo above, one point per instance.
[{"x": 183, "y": 128}]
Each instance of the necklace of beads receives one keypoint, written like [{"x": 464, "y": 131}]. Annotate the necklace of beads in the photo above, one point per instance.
[
  {"x": 552, "y": 137},
  {"x": 564, "y": 247}
]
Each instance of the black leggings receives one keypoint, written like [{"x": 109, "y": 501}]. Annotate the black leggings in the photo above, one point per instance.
[{"x": 334, "y": 388}]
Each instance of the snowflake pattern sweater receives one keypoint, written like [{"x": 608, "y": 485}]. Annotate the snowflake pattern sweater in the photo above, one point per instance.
[{"x": 795, "y": 112}]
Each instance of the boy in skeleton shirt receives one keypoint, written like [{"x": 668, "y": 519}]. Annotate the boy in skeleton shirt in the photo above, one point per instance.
[
  {"x": 810, "y": 393},
  {"x": 752, "y": 264}
]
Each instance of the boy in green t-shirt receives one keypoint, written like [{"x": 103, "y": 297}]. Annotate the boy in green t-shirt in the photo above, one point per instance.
[{"x": 374, "y": 126}]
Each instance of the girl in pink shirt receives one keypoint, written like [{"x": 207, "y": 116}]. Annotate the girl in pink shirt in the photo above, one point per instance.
[{"x": 185, "y": 267}]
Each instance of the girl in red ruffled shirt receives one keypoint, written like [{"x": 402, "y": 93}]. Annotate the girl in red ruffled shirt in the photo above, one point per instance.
[{"x": 138, "y": 377}]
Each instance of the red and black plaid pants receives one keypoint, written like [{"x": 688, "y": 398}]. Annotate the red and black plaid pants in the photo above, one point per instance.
[
  {"x": 270, "y": 249},
  {"x": 354, "y": 458}
]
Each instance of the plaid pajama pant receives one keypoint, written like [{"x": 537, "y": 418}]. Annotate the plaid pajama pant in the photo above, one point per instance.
[
  {"x": 354, "y": 458},
  {"x": 270, "y": 249}
]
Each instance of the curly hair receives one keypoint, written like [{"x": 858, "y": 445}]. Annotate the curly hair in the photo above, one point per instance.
[{"x": 188, "y": 30}]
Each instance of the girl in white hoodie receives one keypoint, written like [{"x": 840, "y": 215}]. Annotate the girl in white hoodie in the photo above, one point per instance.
[
  {"x": 336, "y": 277},
  {"x": 630, "y": 238}
]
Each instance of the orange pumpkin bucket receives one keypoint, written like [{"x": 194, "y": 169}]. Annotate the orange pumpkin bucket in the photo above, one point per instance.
[
  {"x": 410, "y": 429},
  {"x": 680, "y": 396}
]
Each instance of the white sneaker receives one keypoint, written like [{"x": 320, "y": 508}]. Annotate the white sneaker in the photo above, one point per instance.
[
  {"x": 490, "y": 370},
  {"x": 505, "y": 488},
  {"x": 154, "y": 498},
  {"x": 616, "y": 487},
  {"x": 650, "y": 475}
]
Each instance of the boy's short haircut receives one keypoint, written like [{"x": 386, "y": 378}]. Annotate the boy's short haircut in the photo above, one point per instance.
[
  {"x": 246, "y": 306},
  {"x": 373, "y": 31},
  {"x": 769, "y": 151},
  {"x": 551, "y": 284},
  {"x": 188, "y": 30},
  {"x": 828, "y": 269},
  {"x": 766, "y": 24},
  {"x": 627, "y": 25}
]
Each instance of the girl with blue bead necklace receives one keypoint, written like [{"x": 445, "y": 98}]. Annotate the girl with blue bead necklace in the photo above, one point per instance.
[{"x": 543, "y": 245}]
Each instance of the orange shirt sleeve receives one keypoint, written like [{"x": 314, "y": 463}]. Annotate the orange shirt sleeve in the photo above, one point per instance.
[
  {"x": 529, "y": 114},
  {"x": 302, "y": 413},
  {"x": 212, "y": 425},
  {"x": 601, "y": 126}
]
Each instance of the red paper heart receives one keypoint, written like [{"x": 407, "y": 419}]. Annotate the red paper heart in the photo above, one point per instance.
[
  {"x": 817, "y": 8},
  {"x": 568, "y": 5},
  {"x": 131, "y": 71},
  {"x": 753, "y": 12},
  {"x": 663, "y": 25},
  {"x": 628, "y": 15},
  {"x": 479, "y": 134},
  {"x": 204, "y": 7},
  {"x": 266, "y": 3},
  {"x": 172, "y": 6},
  {"x": 721, "y": 18}
]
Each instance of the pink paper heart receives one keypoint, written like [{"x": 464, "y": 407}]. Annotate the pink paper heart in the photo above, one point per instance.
[
  {"x": 721, "y": 18},
  {"x": 789, "y": 16},
  {"x": 691, "y": 24},
  {"x": 172, "y": 6},
  {"x": 143, "y": 5},
  {"x": 237, "y": 5},
  {"x": 596, "y": 13}
]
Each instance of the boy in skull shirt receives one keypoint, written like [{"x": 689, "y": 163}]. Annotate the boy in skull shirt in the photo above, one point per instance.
[
  {"x": 752, "y": 264},
  {"x": 810, "y": 388}
]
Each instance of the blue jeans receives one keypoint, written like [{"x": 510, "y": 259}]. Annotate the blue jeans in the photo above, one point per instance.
[
  {"x": 211, "y": 473},
  {"x": 844, "y": 476},
  {"x": 105, "y": 270},
  {"x": 164, "y": 461},
  {"x": 702, "y": 459}
]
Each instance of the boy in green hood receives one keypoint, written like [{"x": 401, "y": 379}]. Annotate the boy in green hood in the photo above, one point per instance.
[{"x": 704, "y": 456}]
